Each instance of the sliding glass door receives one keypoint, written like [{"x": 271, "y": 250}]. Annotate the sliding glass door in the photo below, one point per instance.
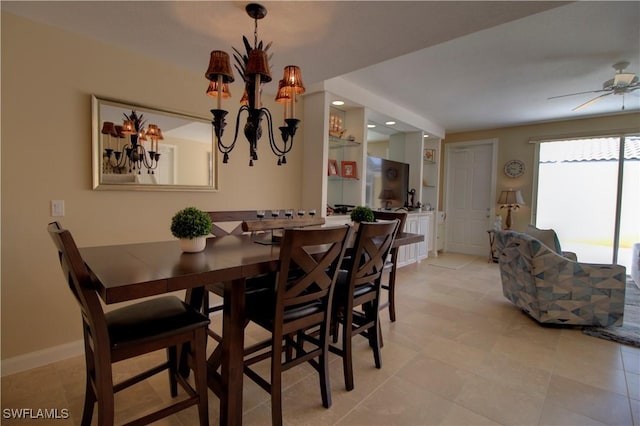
[
  {"x": 629, "y": 233},
  {"x": 588, "y": 190}
]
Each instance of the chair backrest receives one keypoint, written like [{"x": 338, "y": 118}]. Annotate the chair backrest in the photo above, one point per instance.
[
  {"x": 267, "y": 225},
  {"x": 246, "y": 221},
  {"x": 516, "y": 256},
  {"x": 384, "y": 215},
  {"x": 546, "y": 236},
  {"x": 309, "y": 262},
  {"x": 372, "y": 245},
  {"x": 79, "y": 280},
  {"x": 238, "y": 216},
  {"x": 401, "y": 216}
]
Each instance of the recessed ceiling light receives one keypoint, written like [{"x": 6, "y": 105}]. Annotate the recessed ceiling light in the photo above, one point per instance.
[
  {"x": 425, "y": 135},
  {"x": 390, "y": 123},
  {"x": 371, "y": 126},
  {"x": 338, "y": 103}
]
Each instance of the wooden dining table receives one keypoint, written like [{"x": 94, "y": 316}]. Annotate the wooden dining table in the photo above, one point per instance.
[{"x": 131, "y": 271}]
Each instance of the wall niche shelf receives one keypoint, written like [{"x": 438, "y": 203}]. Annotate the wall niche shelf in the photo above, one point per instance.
[{"x": 336, "y": 143}]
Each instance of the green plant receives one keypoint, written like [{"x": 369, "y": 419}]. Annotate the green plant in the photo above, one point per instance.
[
  {"x": 362, "y": 214},
  {"x": 190, "y": 223}
]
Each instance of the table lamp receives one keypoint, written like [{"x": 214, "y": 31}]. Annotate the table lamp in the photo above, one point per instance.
[{"x": 511, "y": 200}]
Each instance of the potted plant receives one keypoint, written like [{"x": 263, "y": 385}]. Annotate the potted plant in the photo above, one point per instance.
[
  {"x": 362, "y": 214},
  {"x": 191, "y": 226}
]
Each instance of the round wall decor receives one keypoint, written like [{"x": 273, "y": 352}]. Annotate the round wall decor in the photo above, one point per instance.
[
  {"x": 514, "y": 168},
  {"x": 391, "y": 173}
]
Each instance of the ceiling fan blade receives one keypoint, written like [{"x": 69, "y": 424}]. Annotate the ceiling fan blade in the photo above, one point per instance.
[
  {"x": 586, "y": 104},
  {"x": 579, "y": 93}
]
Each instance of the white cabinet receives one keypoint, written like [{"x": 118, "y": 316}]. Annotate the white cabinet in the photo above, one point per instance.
[
  {"x": 416, "y": 223},
  {"x": 424, "y": 228},
  {"x": 440, "y": 237}
]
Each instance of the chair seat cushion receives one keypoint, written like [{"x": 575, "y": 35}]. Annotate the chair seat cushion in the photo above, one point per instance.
[
  {"x": 342, "y": 286},
  {"x": 260, "y": 307},
  {"x": 151, "y": 319}
]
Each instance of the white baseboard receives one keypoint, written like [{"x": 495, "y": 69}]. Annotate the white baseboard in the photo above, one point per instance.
[{"x": 42, "y": 357}]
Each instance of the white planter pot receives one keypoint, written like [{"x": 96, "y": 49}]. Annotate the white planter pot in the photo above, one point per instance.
[{"x": 193, "y": 245}]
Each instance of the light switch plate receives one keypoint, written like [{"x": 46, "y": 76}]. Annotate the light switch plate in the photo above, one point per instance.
[{"x": 57, "y": 208}]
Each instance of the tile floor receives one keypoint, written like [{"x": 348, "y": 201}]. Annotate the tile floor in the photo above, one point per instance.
[{"x": 459, "y": 354}]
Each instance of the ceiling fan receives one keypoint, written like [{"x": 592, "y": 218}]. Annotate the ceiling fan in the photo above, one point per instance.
[{"x": 620, "y": 84}]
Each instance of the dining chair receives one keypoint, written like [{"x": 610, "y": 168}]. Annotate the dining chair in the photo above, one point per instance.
[
  {"x": 359, "y": 287},
  {"x": 297, "y": 311},
  {"x": 161, "y": 323},
  {"x": 391, "y": 263},
  {"x": 218, "y": 219},
  {"x": 244, "y": 221}
]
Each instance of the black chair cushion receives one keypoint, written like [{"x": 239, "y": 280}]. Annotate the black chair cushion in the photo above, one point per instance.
[
  {"x": 260, "y": 307},
  {"x": 151, "y": 319},
  {"x": 342, "y": 286}
]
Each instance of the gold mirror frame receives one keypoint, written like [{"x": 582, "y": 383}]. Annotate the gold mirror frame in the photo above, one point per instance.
[{"x": 188, "y": 159}]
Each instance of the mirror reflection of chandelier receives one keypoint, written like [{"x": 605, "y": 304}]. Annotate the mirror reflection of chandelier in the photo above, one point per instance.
[
  {"x": 136, "y": 156},
  {"x": 254, "y": 69}
]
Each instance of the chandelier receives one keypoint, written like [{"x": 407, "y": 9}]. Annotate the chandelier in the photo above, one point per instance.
[
  {"x": 253, "y": 67},
  {"x": 136, "y": 156}
]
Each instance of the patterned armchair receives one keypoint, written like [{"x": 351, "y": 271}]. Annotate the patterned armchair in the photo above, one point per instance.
[{"x": 554, "y": 289}]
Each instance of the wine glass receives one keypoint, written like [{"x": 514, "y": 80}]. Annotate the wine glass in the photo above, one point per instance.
[
  {"x": 275, "y": 213},
  {"x": 288, "y": 213},
  {"x": 312, "y": 212},
  {"x": 301, "y": 213},
  {"x": 260, "y": 214}
]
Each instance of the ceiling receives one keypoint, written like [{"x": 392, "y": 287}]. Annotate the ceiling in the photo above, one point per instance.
[{"x": 462, "y": 65}]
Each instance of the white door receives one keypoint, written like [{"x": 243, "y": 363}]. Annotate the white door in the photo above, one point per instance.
[
  {"x": 166, "y": 171},
  {"x": 469, "y": 196}
]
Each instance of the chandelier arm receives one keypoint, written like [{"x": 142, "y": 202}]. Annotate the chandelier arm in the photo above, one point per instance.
[
  {"x": 120, "y": 157},
  {"x": 152, "y": 163},
  {"x": 143, "y": 154},
  {"x": 286, "y": 150},
  {"x": 225, "y": 149},
  {"x": 272, "y": 142}
]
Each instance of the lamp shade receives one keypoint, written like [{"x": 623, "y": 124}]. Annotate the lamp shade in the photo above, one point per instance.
[
  {"x": 119, "y": 132},
  {"x": 293, "y": 78},
  {"x": 128, "y": 127},
  {"x": 152, "y": 132},
  {"x": 511, "y": 197},
  {"x": 245, "y": 98},
  {"x": 108, "y": 128},
  {"x": 212, "y": 90},
  {"x": 283, "y": 95},
  {"x": 258, "y": 64},
  {"x": 219, "y": 65}
]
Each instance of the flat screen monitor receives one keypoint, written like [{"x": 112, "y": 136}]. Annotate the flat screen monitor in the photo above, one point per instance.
[{"x": 387, "y": 183}]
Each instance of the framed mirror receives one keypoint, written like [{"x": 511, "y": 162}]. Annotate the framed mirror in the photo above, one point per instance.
[{"x": 136, "y": 147}]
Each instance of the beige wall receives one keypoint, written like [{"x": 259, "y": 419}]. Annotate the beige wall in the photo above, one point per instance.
[
  {"x": 514, "y": 144},
  {"x": 48, "y": 77}
]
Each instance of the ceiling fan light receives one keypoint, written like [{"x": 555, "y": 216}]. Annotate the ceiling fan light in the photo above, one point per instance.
[{"x": 623, "y": 79}]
